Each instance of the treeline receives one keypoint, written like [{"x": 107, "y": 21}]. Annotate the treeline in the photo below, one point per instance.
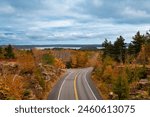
[
  {"x": 119, "y": 50},
  {"x": 7, "y": 52},
  {"x": 122, "y": 66}
]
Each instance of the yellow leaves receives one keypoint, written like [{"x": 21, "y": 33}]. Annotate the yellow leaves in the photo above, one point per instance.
[
  {"x": 26, "y": 61},
  {"x": 107, "y": 74},
  {"x": 108, "y": 70},
  {"x": 144, "y": 55},
  {"x": 109, "y": 61},
  {"x": 79, "y": 59},
  {"x": 74, "y": 61},
  {"x": 19, "y": 80},
  {"x": 82, "y": 59},
  {"x": 94, "y": 60},
  {"x": 59, "y": 63}
]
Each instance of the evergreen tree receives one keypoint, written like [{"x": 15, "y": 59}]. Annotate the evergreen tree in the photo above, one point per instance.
[
  {"x": 119, "y": 49},
  {"x": 147, "y": 37},
  {"x": 136, "y": 45},
  {"x": 9, "y": 52},
  {"x": 0, "y": 50},
  {"x": 107, "y": 48},
  {"x": 1, "y": 53},
  {"x": 121, "y": 88}
]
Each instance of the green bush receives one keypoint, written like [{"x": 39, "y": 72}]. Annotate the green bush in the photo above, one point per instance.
[
  {"x": 26, "y": 93},
  {"x": 142, "y": 74},
  {"x": 136, "y": 74},
  {"x": 68, "y": 64},
  {"x": 42, "y": 82},
  {"x": 1, "y": 54},
  {"x": 40, "y": 78},
  {"x": 121, "y": 88},
  {"x": 98, "y": 72},
  {"x": 48, "y": 59},
  {"x": 130, "y": 75}
]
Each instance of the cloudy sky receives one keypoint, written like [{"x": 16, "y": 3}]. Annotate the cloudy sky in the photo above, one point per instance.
[{"x": 71, "y": 21}]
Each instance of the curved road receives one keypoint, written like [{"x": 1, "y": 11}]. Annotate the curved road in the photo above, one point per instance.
[{"x": 76, "y": 85}]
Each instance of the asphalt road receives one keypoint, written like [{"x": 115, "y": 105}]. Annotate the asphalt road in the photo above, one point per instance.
[{"x": 76, "y": 85}]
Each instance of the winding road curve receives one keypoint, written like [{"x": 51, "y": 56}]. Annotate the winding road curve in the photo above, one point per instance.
[{"x": 76, "y": 85}]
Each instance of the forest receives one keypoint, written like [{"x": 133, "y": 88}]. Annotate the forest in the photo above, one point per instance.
[{"x": 121, "y": 70}]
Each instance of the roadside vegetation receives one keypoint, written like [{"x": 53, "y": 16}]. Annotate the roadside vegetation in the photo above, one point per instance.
[
  {"x": 121, "y": 70},
  {"x": 28, "y": 74},
  {"x": 124, "y": 69},
  {"x": 31, "y": 74}
]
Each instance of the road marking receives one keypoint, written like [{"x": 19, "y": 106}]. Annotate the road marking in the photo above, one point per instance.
[
  {"x": 75, "y": 88},
  {"x": 61, "y": 87},
  {"x": 90, "y": 88}
]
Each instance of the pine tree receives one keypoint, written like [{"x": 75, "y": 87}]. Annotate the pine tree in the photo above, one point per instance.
[
  {"x": 107, "y": 48},
  {"x": 9, "y": 52},
  {"x": 121, "y": 88},
  {"x": 147, "y": 37},
  {"x": 136, "y": 45},
  {"x": 119, "y": 49},
  {"x": 1, "y": 53},
  {"x": 0, "y": 50}
]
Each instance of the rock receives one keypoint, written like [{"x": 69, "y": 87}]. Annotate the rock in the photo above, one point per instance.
[
  {"x": 143, "y": 82},
  {"x": 111, "y": 94},
  {"x": 8, "y": 68}
]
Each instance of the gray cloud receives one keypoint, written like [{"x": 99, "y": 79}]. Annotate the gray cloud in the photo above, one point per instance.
[{"x": 71, "y": 21}]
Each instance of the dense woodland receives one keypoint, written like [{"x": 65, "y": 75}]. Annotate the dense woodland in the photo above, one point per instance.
[{"x": 121, "y": 70}]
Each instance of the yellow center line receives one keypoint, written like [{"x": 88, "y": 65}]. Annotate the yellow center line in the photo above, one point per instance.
[{"x": 75, "y": 88}]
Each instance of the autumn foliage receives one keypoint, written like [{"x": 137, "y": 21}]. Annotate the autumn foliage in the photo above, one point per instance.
[
  {"x": 125, "y": 71},
  {"x": 31, "y": 75}
]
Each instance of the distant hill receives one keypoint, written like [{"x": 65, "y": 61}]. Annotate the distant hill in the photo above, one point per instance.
[{"x": 71, "y": 46}]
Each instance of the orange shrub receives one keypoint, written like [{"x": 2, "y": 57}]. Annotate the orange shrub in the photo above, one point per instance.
[
  {"x": 25, "y": 60},
  {"x": 14, "y": 86},
  {"x": 59, "y": 63}
]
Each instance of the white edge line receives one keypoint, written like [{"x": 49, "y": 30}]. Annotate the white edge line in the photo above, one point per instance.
[
  {"x": 90, "y": 88},
  {"x": 61, "y": 88}
]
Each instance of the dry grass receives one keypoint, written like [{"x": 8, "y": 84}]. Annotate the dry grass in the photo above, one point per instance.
[{"x": 14, "y": 86}]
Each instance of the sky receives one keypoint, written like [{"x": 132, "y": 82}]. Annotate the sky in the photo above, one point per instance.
[{"x": 26, "y": 22}]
